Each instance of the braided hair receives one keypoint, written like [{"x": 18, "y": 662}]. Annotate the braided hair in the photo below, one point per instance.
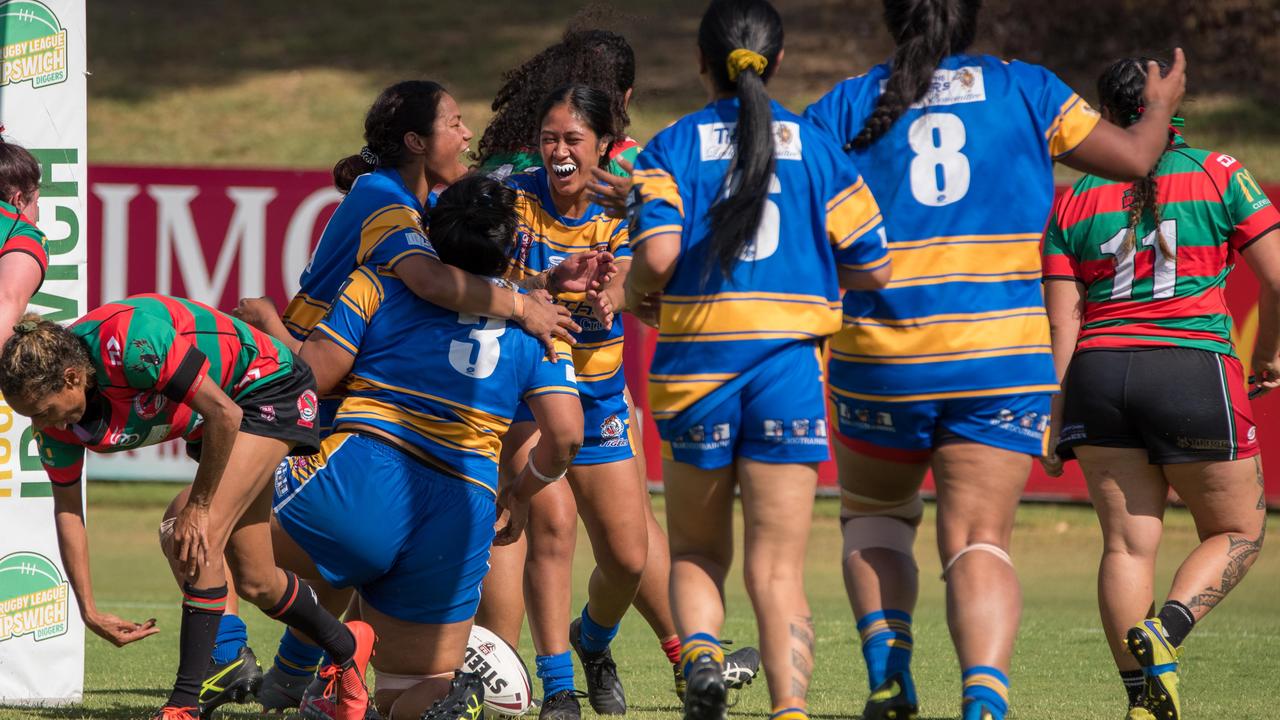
[
  {"x": 924, "y": 33},
  {"x": 408, "y": 106},
  {"x": 1120, "y": 89},
  {"x": 35, "y": 359},
  {"x": 596, "y": 58}
]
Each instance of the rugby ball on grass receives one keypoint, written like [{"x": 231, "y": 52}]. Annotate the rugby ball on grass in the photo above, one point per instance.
[{"x": 506, "y": 678}]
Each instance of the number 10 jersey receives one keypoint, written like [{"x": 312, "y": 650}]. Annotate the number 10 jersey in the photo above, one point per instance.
[
  {"x": 965, "y": 180},
  {"x": 445, "y": 383}
]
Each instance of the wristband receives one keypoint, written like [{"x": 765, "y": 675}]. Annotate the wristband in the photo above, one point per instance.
[
  {"x": 546, "y": 480},
  {"x": 517, "y": 306}
]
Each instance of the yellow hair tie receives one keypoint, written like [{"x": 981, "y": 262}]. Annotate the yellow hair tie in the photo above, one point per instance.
[{"x": 744, "y": 59}]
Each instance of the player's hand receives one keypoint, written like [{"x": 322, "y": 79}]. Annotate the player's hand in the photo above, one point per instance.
[
  {"x": 601, "y": 306},
  {"x": 1266, "y": 374},
  {"x": 118, "y": 631},
  {"x": 581, "y": 272},
  {"x": 610, "y": 191},
  {"x": 513, "y": 515},
  {"x": 1165, "y": 93},
  {"x": 1052, "y": 464},
  {"x": 646, "y": 308},
  {"x": 548, "y": 322},
  {"x": 259, "y": 312},
  {"x": 190, "y": 539}
]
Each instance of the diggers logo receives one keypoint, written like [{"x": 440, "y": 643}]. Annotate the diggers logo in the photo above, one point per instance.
[
  {"x": 35, "y": 44},
  {"x": 33, "y": 597},
  {"x": 307, "y": 405}
]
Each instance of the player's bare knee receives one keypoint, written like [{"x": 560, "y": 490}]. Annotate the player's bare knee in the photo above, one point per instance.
[{"x": 625, "y": 564}]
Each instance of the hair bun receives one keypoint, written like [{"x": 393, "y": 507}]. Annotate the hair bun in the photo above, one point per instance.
[{"x": 26, "y": 327}]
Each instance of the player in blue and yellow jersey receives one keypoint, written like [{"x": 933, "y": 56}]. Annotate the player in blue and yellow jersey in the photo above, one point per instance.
[
  {"x": 949, "y": 367},
  {"x": 557, "y": 218},
  {"x": 24, "y": 249},
  {"x": 747, "y": 221},
  {"x": 399, "y": 503}
]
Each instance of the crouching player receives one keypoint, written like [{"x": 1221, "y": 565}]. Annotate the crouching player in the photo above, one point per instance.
[
  {"x": 399, "y": 503},
  {"x": 154, "y": 368}
]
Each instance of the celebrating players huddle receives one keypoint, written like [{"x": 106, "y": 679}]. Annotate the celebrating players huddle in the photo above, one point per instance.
[{"x": 413, "y": 442}]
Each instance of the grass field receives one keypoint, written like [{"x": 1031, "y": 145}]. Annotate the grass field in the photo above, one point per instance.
[{"x": 1061, "y": 669}]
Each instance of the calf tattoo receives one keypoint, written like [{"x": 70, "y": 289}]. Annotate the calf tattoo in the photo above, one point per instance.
[
  {"x": 802, "y": 639},
  {"x": 1241, "y": 553}
]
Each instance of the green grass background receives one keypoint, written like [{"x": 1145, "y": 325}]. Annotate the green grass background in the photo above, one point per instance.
[{"x": 1061, "y": 668}]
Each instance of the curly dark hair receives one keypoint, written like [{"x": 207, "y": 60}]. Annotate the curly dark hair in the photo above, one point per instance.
[
  {"x": 36, "y": 357},
  {"x": 597, "y": 58}
]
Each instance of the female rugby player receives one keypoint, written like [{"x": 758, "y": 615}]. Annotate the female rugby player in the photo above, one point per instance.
[
  {"x": 24, "y": 249},
  {"x": 1135, "y": 275},
  {"x": 557, "y": 218},
  {"x": 749, "y": 220},
  {"x": 430, "y": 394},
  {"x": 154, "y": 368},
  {"x": 949, "y": 367}
]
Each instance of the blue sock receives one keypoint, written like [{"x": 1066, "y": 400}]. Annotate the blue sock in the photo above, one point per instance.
[
  {"x": 555, "y": 672},
  {"x": 697, "y": 645},
  {"x": 296, "y": 657},
  {"x": 987, "y": 685},
  {"x": 232, "y": 635},
  {"x": 592, "y": 636},
  {"x": 886, "y": 644}
]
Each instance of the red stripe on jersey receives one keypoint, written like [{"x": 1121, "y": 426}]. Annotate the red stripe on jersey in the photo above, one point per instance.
[
  {"x": 14, "y": 216},
  {"x": 1251, "y": 228},
  {"x": 1101, "y": 342},
  {"x": 113, "y": 338},
  {"x": 1173, "y": 187},
  {"x": 30, "y": 246},
  {"x": 183, "y": 323},
  {"x": 1212, "y": 302},
  {"x": 1061, "y": 266},
  {"x": 1153, "y": 329}
]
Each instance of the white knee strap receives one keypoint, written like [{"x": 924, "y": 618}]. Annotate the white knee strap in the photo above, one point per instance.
[
  {"x": 984, "y": 547},
  {"x": 873, "y": 523},
  {"x": 393, "y": 682}
]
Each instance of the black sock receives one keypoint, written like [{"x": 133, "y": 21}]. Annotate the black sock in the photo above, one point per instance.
[
  {"x": 201, "y": 612},
  {"x": 1177, "y": 620},
  {"x": 1133, "y": 684},
  {"x": 300, "y": 609}
]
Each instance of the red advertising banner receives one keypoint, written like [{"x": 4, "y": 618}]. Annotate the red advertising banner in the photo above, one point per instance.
[{"x": 216, "y": 235}]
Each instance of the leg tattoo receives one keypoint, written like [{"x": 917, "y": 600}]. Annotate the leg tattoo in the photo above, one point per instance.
[
  {"x": 1240, "y": 556},
  {"x": 802, "y": 639}
]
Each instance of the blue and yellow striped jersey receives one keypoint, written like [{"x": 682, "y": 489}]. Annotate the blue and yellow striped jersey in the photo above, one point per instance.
[
  {"x": 965, "y": 178},
  {"x": 378, "y": 223},
  {"x": 785, "y": 288},
  {"x": 545, "y": 238},
  {"x": 445, "y": 383}
]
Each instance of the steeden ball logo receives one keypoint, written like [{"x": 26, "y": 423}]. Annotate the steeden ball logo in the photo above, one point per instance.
[
  {"x": 35, "y": 44},
  {"x": 33, "y": 597}
]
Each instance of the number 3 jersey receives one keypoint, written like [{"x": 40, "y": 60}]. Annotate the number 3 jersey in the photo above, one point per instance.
[
  {"x": 716, "y": 332},
  {"x": 444, "y": 383},
  {"x": 1210, "y": 208},
  {"x": 965, "y": 179}
]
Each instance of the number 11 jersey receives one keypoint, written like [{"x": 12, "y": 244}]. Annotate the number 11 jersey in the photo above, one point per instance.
[{"x": 965, "y": 180}]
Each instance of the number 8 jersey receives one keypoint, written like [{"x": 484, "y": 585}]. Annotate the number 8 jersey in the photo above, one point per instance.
[{"x": 965, "y": 179}]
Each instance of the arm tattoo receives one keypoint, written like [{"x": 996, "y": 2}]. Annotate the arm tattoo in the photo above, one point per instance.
[
  {"x": 802, "y": 640},
  {"x": 1240, "y": 556}
]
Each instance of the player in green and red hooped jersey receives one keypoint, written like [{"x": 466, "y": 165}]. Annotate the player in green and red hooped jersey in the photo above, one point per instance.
[
  {"x": 154, "y": 368},
  {"x": 24, "y": 250},
  {"x": 1135, "y": 275}
]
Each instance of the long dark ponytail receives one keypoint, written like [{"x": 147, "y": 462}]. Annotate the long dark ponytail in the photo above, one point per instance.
[
  {"x": 408, "y": 106},
  {"x": 1120, "y": 89},
  {"x": 740, "y": 41},
  {"x": 924, "y": 32}
]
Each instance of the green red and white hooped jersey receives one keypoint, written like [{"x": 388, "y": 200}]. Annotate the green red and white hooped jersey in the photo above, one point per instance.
[
  {"x": 150, "y": 354},
  {"x": 1210, "y": 209},
  {"x": 19, "y": 234}
]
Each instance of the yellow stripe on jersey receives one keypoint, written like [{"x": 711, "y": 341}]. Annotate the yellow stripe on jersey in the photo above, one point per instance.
[
  {"x": 1076, "y": 119},
  {"x": 360, "y": 383},
  {"x": 303, "y": 315},
  {"x": 470, "y": 433},
  {"x": 658, "y": 184},
  {"x": 1007, "y": 332},
  {"x": 851, "y": 214},
  {"x": 598, "y": 360},
  {"x": 747, "y": 316},
  {"x": 659, "y": 230},
  {"x": 982, "y": 259},
  {"x": 383, "y": 222},
  {"x": 675, "y": 393},
  {"x": 336, "y": 338}
]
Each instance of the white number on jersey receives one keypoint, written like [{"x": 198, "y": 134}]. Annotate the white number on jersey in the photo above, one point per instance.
[
  {"x": 477, "y": 359},
  {"x": 1166, "y": 268},
  {"x": 765, "y": 242},
  {"x": 939, "y": 171}
]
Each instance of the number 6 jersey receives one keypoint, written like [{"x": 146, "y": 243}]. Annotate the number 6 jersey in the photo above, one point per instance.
[
  {"x": 444, "y": 383},
  {"x": 965, "y": 179}
]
